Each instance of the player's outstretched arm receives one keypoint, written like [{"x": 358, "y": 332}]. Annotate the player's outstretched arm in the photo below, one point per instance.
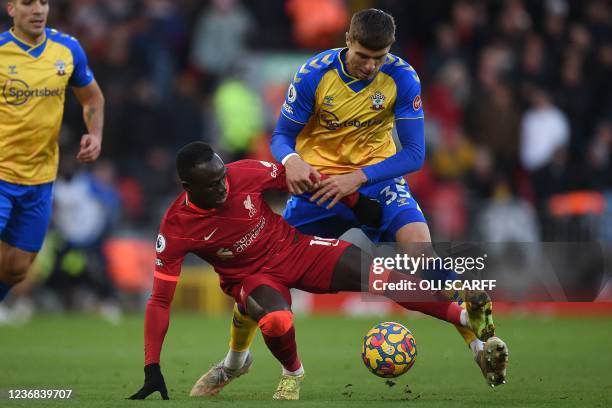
[
  {"x": 154, "y": 381},
  {"x": 91, "y": 99},
  {"x": 157, "y": 319}
]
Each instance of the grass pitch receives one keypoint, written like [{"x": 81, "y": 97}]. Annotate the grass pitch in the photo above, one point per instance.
[{"x": 553, "y": 362}]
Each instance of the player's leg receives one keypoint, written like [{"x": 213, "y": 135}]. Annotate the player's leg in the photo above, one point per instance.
[
  {"x": 266, "y": 303},
  {"x": 242, "y": 332},
  {"x": 413, "y": 239},
  {"x": 270, "y": 309},
  {"x": 272, "y": 312},
  {"x": 25, "y": 212},
  {"x": 404, "y": 223},
  {"x": 14, "y": 265},
  {"x": 242, "y": 337},
  {"x": 351, "y": 273},
  {"x": 238, "y": 360},
  {"x": 6, "y": 206},
  {"x": 491, "y": 355}
]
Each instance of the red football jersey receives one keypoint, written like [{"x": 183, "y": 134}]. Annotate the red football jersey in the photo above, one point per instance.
[{"x": 239, "y": 238}]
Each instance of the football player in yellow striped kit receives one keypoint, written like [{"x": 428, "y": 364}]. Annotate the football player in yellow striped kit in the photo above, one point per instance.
[
  {"x": 37, "y": 64},
  {"x": 337, "y": 119}
]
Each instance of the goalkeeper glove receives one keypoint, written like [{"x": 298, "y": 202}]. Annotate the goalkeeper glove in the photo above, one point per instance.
[{"x": 154, "y": 381}]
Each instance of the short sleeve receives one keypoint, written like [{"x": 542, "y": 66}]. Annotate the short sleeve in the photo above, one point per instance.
[
  {"x": 261, "y": 175},
  {"x": 300, "y": 97},
  {"x": 82, "y": 75},
  {"x": 170, "y": 254},
  {"x": 408, "y": 104}
]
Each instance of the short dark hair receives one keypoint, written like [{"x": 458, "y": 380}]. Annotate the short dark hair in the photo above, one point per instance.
[
  {"x": 190, "y": 156},
  {"x": 372, "y": 28}
]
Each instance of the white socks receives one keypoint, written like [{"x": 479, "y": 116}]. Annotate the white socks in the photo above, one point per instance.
[
  {"x": 476, "y": 346},
  {"x": 299, "y": 371},
  {"x": 235, "y": 359},
  {"x": 463, "y": 318}
]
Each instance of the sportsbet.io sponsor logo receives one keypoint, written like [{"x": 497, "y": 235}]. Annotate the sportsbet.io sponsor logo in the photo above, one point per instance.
[
  {"x": 17, "y": 92},
  {"x": 331, "y": 122}
]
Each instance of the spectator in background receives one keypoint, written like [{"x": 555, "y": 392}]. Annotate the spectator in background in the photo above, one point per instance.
[
  {"x": 447, "y": 50},
  {"x": 219, "y": 38},
  {"x": 478, "y": 59},
  {"x": 535, "y": 63},
  {"x": 598, "y": 175},
  {"x": 513, "y": 22},
  {"x": 495, "y": 61},
  {"x": 239, "y": 115},
  {"x": 555, "y": 28},
  {"x": 493, "y": 123},
  {"x": 507, "y": 218},
  {"x": 573, "y": 98},
  {"x": 185, "y": 112},
  {"x": 86, "y": 211},
  {"x": 158, "y": 40},
  {"x": 544, "y": 131}
]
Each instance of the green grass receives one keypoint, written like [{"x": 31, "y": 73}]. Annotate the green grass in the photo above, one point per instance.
[{"x": 554, "y": 362}]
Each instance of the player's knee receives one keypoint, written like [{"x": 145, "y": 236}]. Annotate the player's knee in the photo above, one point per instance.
[
  {"x": 14, "y": 272},
  {"x": 414, "y": 235},
  {"x": 14, "y": 276},
  {"x": 275, "y": 324}
]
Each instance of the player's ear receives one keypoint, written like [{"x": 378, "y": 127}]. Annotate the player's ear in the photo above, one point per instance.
[
  {"x": 348, "y": 39},
  {"x": 10, "y": 9},
  {"x": 185, "y": 185}
]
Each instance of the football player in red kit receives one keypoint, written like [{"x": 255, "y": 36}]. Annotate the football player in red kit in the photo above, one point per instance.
[{"x": 222, "y": 218}]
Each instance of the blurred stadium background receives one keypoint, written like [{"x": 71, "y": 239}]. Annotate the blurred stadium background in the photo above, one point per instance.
[{"x": 518, "y": 101}]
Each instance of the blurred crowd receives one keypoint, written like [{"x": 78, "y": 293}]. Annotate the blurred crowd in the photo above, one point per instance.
[{"x": 517, "y": 97}]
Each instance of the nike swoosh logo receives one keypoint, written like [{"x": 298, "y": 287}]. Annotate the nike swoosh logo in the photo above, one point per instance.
[{"x": 206, "y": 238}]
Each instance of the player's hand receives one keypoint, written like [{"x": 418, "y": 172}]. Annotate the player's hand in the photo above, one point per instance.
[
  {"x": 154, "y": 381},
  {"x": 301, "y": 176},
  {"x": 338, "y": 187},
  {"x": 90, "y": 148}
]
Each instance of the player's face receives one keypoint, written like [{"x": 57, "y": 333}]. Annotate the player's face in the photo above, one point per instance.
[
  {"x": 29, "y": 17},
  {"x": 208, "y": 188},
  {"x": 363, "y": 63}
]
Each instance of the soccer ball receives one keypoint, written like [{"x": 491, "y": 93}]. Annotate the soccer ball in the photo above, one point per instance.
[{"x": 389, "y": 350}]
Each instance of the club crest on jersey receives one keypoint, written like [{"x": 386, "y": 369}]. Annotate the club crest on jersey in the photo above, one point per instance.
[
  {"x": 328, "y": 101},
  {"x": 160, "y": 243},
  {"x": 12, "y": 69},
  {"x": 378, "y": 100},
  {"x": 248, "y": 204},
  {"x": 61, "y": 67}
]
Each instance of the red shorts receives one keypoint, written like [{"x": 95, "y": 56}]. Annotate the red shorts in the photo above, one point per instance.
[{"x": 309, "y": 267}]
